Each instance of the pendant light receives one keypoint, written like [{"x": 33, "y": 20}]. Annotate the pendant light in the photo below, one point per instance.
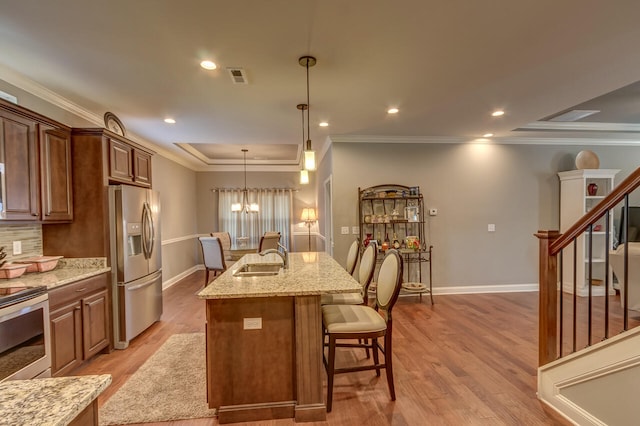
[
  {"x": 309, "y": 153},
  {"x": 304, "y": 173},
  {"x": 245, "y": 207}
]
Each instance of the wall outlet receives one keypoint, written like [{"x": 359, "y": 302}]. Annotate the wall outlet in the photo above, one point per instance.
[
  {"x": 344, "y": 230},
  {"x": 433, "y": 212},
  {"x": 17, "y": 247},
  {"x": 491, "y": 227},
  {"x": 355, "y": 230},
  {"x": 252, "y": 323}
]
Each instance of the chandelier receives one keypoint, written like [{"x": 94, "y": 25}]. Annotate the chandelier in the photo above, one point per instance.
[{"x": 245, "y": 206}]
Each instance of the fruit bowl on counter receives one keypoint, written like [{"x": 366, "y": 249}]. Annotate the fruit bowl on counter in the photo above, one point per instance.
[
  {"x": 40, "y": 263},
  {"x": 13, "y": 270}
]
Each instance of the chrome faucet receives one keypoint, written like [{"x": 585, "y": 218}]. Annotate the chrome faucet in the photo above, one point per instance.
[{"x": 285, "y": 256}]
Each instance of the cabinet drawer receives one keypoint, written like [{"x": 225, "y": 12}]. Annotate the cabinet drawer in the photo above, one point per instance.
[{"x": 78, "y": 290}]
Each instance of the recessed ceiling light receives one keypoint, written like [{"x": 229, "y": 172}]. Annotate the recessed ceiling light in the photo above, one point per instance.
[
  {"x": 487, "y": 135},
  {"x": 208, "y": 65},
  {"x": 170, "y": 121},
  {"x": 497, "y": 113},
  {"x": 323, "y": 124},
  {"x": 393, "y": 110}
]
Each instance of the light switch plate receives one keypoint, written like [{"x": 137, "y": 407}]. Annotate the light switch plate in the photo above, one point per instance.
[
  {"x": 17, "y": 247},
  {"x": 491, "y": 227},
  {"x": 433, "y": 212},
  {"x": 344, "y": 230},
  {"x": 355, "y": 230}
]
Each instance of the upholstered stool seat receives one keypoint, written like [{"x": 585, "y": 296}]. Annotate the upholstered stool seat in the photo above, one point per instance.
[
  {"x": 352, "y": 319},
  {"x": 342, "y": 299}
]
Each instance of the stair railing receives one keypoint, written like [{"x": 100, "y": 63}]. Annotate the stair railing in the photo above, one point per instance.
[{"x": 551, "y": 244}]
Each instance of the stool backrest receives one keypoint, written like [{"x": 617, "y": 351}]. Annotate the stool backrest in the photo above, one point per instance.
[{"x": 389, "y": 282}]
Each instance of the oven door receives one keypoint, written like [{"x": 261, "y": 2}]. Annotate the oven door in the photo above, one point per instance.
[{"x": 24, "y": 339}]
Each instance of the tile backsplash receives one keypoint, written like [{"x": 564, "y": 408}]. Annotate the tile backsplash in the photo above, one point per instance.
[{"x": 29, "y": 235}]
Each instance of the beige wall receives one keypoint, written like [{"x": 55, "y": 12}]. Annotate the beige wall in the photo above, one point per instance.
[
  {"x": 514, "y": 187},
  {"x": 207, "y": 209},
  {"x": 178, "y": 202}
]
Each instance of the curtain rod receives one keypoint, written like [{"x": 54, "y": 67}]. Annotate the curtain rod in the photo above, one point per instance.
[{"x": 254, "y": 189}]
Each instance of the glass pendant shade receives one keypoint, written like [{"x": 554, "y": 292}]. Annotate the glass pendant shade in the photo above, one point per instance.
[
  {"x": 304, "y": 177},
  {"x": 309, "y": 159}
]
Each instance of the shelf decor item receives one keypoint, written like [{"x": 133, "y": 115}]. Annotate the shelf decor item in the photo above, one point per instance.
[
  {"x": 113, "y": 123},
  {"x": 587, "y": 160},
  {"x": 592, "y": 189}
]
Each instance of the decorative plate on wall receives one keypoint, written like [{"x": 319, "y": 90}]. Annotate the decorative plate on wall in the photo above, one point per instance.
[{"x": 113, "y": 123}]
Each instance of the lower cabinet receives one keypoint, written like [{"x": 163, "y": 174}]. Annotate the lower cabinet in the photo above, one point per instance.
[{"x": 79, "y": 322}]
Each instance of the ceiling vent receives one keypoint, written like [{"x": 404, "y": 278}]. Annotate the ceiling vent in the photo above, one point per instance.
[
  {"x": 238, "y": 76},
  {"x": 574, "y": 115}
]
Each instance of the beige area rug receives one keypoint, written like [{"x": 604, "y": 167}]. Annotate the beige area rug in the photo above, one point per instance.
[{"x": 170, "y": 385}]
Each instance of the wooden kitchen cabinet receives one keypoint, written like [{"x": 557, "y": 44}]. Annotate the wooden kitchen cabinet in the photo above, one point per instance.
[
  {"x": 20, "y": 158},
  {"x": 128, "y": 164},
  {"x": 55, "y": 174},
  {"x": 36, "y": 155},
  {"x": 79, "y": 321}
]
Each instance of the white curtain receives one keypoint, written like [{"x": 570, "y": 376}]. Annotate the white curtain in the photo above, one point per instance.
[{"x": 274, "y": 215}]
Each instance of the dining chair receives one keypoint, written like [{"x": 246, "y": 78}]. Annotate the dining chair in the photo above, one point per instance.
[
  {"x": 365, "y": 274},
  {"x": 269, "y": 240},
  {"x": 349, "y": 322},
  {"x": 225, "y": 240},
  {"x": 213, "y": 256},
  {"x": 352, "y": 257}
]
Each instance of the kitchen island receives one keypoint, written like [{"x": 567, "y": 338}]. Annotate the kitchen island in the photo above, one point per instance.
[{"x": 264, "y": 338}]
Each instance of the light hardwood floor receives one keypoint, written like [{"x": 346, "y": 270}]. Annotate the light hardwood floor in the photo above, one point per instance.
[{"x": 467, "y": 360}]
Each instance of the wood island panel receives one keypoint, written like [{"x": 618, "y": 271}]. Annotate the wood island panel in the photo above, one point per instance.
[{"x": 251, "y": 372}]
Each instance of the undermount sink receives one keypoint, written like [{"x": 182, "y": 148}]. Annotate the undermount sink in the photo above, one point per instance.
[{"x": 257, "y": 270}]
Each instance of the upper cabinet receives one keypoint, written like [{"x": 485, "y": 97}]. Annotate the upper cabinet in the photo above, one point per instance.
[
  {"x": 129, "y": 163},
  {"x": 35, "y": 158}
]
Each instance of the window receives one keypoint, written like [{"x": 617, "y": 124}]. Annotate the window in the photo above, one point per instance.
[{"x": 274, "y": 215}]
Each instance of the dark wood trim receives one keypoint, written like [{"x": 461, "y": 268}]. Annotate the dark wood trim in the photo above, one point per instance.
[
  {"x": 255, "y": 412},
  {"x": 548, "y": 298},
  {"x": 30, "y": 114},
  {"x": 309, "y": 371}
]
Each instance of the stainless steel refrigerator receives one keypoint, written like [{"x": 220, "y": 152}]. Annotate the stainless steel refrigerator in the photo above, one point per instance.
[{"x": 136, "y": 261}]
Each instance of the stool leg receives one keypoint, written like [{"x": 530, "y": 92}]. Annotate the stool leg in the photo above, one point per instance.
[
  {"x": 376, "y": 358},
  {"x": 388, "y": 365},
  {"x": 330, "y": 371}
]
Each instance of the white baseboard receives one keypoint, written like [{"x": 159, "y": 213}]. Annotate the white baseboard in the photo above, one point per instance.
[
  {"x": 168, "y": 283},
  {"x": 475, "y": 289}
]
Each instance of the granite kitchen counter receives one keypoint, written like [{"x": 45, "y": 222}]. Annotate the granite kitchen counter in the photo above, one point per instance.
[
  {"x": 67, "y": 271},
  {"x": 313, "y": 273},
  {"x": 50, "y": 402}
]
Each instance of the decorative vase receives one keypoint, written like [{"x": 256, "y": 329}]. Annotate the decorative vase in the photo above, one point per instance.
[{"x": 592, "y": 189}]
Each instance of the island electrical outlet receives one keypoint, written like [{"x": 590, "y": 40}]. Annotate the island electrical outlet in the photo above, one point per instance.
[{"x": 252, "y": 323}]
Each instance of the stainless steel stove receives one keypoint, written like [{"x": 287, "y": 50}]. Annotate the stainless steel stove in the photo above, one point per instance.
[{"x": 25, "y": 350}]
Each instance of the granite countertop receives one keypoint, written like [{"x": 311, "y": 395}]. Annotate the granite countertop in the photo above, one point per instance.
[
  {"x": 67, "y": 271},
  {"x": 311, "y": 273},
  {"x": 54, "y": 401}
]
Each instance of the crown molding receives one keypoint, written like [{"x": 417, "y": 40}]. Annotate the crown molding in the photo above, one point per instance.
[
  {"x": 41, "y": 92},
  {"x": 582, "y": 126},
  {"x": 506, "y": 140}
]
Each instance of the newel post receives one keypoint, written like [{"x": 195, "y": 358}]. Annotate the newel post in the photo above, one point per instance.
[{"x": 548, "y": 299}]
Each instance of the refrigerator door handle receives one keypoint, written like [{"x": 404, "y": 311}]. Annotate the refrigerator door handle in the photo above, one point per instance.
[
  {"x": 147, "y": 230},
  {"x": 139, "y": 286}
]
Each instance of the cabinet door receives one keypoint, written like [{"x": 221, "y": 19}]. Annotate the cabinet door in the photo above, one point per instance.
[
  {"x": 20, "y": 158},
  {"x": 66, "y": 338},
  {"x": 120, "y": 161},
  {"x": 95, "y": 314},
  {"x": 142, "y": 168},
  {"x": 55, "y": 174}
]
